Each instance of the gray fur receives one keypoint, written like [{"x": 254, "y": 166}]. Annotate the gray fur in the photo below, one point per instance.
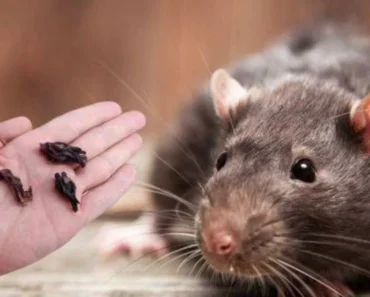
[{"x": 309, "y": 80}]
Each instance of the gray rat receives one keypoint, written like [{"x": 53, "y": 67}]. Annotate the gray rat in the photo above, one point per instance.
[{"x": 269, "y": 165}]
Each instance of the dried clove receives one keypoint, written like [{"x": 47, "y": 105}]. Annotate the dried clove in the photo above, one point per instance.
[
  {"x": 23, "y": 196},
  {"x": 60, "y": 152},
  {"x": 67, "y": 188}
]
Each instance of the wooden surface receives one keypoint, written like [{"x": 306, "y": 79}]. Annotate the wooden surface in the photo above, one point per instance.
[{"x": 77, "y": 270}]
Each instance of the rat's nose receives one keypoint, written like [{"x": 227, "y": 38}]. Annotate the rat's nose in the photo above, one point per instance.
[{"x": 219, "y": 243}]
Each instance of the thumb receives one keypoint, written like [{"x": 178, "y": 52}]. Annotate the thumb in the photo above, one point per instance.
[{"x": 13, "y": 128}]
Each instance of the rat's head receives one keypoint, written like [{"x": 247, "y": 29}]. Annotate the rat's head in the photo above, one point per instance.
[{"x": 292, "y": 169}]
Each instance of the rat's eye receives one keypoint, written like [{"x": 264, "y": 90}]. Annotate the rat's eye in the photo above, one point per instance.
[
  {"x": 221, "y": 160},
  {"x": 303, "y": 170}
]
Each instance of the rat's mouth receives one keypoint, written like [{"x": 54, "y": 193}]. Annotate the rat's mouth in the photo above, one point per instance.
[
  {"x": 247, "y": 257},
  {"x": 238, "y": 246},
  {"x": 238, "y": 265},
  {"x": 239, "y": 268}
]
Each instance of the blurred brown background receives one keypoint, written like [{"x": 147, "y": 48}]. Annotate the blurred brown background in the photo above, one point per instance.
[
  {"x": 59, "y": 55},
  {"x": 52, "y": 52}
]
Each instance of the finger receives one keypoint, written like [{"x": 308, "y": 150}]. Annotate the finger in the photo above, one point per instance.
[
  {"x": 101, "y": 198},
  {"x": 102, "y": 167},
  {"x": 99, "y": 139},
  {"x": 71, "y": 125},
  {"x": 13, "y": 128}
]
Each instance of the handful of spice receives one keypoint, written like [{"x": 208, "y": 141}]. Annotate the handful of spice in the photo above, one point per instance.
[
  {"x": 60, "y": 152},
  {"x": 56, "y": 152},
  {"x": 23, "y": 196}
]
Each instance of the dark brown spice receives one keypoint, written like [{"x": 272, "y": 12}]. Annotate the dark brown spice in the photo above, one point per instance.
[
  {"x": 60, "y": 152},
  {"x": 67, "y": 188},
  {"x": 23, "y": 196}
]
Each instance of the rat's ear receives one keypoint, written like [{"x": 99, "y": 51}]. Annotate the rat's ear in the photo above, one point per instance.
[
  {"x": 226, "y": 92},
  {"x": 360, "y": 120}
]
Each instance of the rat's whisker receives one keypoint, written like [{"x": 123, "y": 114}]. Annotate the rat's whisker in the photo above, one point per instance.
[
  {"x": 260, "y": 280},
  {"x": 181, "y": 213},
  {"x": 164, "y": 226},
  {"x": 176, "y": 212},
  {"x": 179, "y": 234},
  {"x": 151, "y": 186},
  {"x": 176, "y": 258},
  {"x": 184, "y": 224},
  {"x": 143, "y": 234},
  {"x": 295, "y": 276},
  {"x": 232, "y": 125},
  {"x": 281, "y": 291},
  {"x": 202, "y": 268},
  {"x": 110, "y": 278},
  {"x": 214, "y": 274},
  {"x": 181, "y": 228},
  {"x": 340, "y": 115},
  {"x": 164, "y": 214},
  {"x": 309, "y": 276},
  {"x": 168, "y": 194},
  {"x": 355, "y": 267},
  {"x": 288, "y": 284},
  {"x": 308, "y": 270},
  {"x": 271, "y": 223},
  {"x": 340, "y": 237},
  {"x": 347, "y": 245},
  {"x": 195, "y": 254},
  {"x": 184, "y": 216},
  {"x": 171, "y": 196},
  {"x": 230, "y": 287},
  {"x": 345, "y": 113},
  {"x": 148, "y": 100},
  {"x": 169, "y": 255},
  {"x": 204, "y": 60},
  {"x": 203, "y": 189},
  {"x": 172, "y": 168},
  {"x": 222, "y": 275},
  {"x": 169, "y": 216}
]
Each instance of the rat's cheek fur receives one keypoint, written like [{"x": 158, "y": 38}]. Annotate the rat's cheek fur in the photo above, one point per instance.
[{"x": 323, "y": 237}]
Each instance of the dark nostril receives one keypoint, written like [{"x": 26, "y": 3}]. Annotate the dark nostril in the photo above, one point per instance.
[
  {"x": 224, "y": 245},
  {"x": 224, "y": 249}
]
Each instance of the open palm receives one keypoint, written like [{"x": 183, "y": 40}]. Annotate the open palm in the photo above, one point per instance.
[{"x": 47, "y": 222}]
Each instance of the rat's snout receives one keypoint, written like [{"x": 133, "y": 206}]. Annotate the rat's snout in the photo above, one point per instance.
[
  {"x": 220, "y": 237},
  {"x": 238, "y": 239},
  {"x": 219, "y": 234},
  {"x": 221, "y": 243}
]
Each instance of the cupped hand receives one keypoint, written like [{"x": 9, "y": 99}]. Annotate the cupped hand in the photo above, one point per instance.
[{"x": 28, "y": 233}]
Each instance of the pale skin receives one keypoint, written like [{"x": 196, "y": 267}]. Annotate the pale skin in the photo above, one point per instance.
[{"x": 110, "y": 139}]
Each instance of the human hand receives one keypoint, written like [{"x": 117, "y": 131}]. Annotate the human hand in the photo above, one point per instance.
[{"x": 46, "y": 223}]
